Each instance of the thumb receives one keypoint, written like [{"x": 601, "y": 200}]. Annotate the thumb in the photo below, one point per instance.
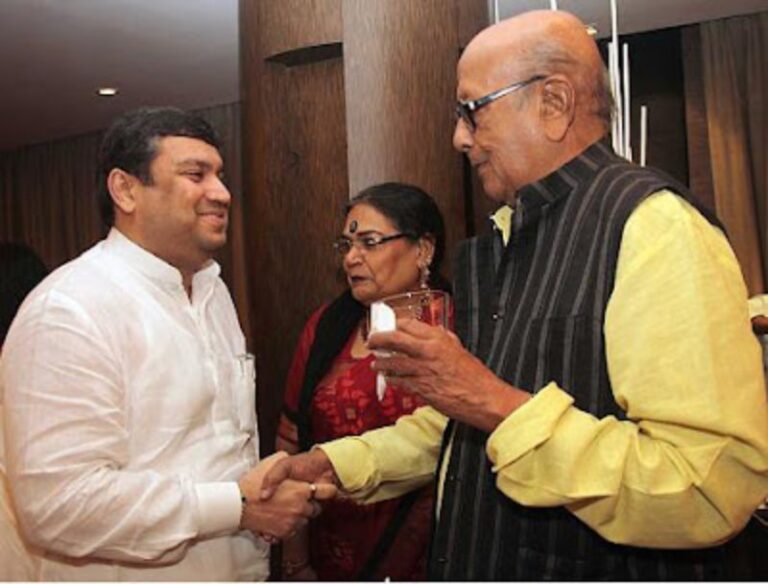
[
  {"x": 325, "y": 491},
  {"x": 274, "y": 477}
]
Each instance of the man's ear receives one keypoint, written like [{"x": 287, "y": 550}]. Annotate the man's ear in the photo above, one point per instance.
[
  {"x": 558, "y": 107},
  {"x": 122, "y": 188}
]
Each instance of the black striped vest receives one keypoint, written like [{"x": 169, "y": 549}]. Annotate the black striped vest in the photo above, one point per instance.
[{"x": 534, "y": 313}]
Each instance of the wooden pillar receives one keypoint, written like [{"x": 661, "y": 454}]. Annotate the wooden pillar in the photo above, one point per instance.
[
  {"x": 699, "y": 160},
  {"x": 337, "y": 95}
]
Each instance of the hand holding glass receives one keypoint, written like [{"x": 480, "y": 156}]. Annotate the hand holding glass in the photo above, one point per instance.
[{"x": 432, "y": 307}]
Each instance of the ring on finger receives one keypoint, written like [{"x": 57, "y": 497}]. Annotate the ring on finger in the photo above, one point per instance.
[{"x": 312, "y": 491}]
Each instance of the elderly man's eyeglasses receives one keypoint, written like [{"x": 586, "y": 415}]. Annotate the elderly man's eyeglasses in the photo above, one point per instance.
[
  {"x": 466, "y": 109},
  {"x": 366, "y": 243}
]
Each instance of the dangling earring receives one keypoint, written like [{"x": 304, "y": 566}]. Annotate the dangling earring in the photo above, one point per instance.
[{"x": 424, "y": 275}]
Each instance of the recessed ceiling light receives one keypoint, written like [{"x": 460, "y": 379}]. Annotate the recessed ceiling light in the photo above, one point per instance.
[
  {"x": 107, "y": 91},
  {"x": 591, "y": 30}
]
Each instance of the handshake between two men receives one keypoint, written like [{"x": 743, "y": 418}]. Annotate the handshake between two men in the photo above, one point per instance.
[{"x": 282, "y": 493}]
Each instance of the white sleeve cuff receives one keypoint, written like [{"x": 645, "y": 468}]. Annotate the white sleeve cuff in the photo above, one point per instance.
[
  {"x": 219, "y": 507},
  {"x": 758, "y": 305}
]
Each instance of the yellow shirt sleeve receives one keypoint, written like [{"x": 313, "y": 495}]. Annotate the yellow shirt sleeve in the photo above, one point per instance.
[
  {"x": 690, "y": 464},
  {"x": 391, "y": 461}
]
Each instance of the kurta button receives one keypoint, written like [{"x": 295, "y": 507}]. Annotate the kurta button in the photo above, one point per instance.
[
  {"x": 495, "y": 316},
  {"x": 441, "y": 560}
]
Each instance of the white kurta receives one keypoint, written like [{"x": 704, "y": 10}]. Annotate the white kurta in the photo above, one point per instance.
[{"x": 128, "y": 417}]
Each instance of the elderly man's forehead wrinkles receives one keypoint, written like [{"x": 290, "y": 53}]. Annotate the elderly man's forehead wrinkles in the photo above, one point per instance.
[{"x": 479, "y": 72}]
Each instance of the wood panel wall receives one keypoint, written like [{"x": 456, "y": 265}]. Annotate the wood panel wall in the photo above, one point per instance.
[
  {"x": 295, "y": 181},
  {"x": 699, "y": 159},
  {"x": 337, "y": 95},
  {"x": 400, "y": 73}
]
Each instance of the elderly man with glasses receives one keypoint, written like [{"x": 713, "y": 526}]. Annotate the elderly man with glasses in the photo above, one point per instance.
[{"x": 602, "y": 413}]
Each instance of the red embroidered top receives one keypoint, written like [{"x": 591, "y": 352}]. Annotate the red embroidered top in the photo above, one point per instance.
[{"x": 344, "y": 404}]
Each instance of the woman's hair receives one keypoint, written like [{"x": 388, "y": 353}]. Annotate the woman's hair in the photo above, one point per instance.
[
  {"x": 20, "y": 271},
  {"x": 411, "y": 211}
]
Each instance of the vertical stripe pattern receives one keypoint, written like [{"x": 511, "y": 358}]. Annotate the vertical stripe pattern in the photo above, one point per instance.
[{"x": 534, "y": 313}]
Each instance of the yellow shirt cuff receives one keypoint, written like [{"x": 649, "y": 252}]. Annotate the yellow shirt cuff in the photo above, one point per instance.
[
  {"x": 528, "y": 426},
  {"x": 352, "y": 461}
]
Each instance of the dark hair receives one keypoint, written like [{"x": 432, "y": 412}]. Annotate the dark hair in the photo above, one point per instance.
[
  {"x": 20, "y": 271},
  {"x": 130, "y": 144},
  {"x": 412, "y": 211}
]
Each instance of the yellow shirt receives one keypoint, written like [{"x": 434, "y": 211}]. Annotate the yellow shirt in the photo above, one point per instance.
[{"x": 689, "y": 465}]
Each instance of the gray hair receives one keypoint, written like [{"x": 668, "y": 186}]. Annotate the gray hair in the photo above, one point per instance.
[{"x": 549, "y": 57}]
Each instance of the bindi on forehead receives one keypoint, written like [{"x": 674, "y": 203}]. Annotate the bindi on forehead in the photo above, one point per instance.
[{"x": 353, "y": 226}]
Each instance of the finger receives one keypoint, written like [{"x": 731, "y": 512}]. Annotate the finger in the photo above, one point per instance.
[
  {"x": 308, "y": 510},
  {"x": 417, "y": 328},
  {"x": 288, "y": 526},
  {"x": 328, "y": 477},
  {"x": 421, "y": 332},
  {"x": 276, "y": 475},
  {"x": 273, "y": 458},
  {"x": 402, "y": 342},
  {"x": 325, "y": 491},
  {"x": 380, "y": 340},
  {"x": 390, "y": 340},
  {"x": 395, "y": 366}
]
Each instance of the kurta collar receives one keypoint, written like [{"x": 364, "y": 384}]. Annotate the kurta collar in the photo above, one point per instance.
[
  {"x": 157, "y": 269},
  {"x": 532, "y": 199}
]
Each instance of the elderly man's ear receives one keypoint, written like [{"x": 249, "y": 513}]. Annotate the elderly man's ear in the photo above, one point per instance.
[{"x": 558, "y": 107}]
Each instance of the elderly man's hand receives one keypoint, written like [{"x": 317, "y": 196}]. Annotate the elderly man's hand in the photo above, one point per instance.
[
  {"x": 293, "y": 502},
  {"x": 760, "y": 324},
  {"x": 431, "y": 362},
  {"x": 311, "y": 467}
]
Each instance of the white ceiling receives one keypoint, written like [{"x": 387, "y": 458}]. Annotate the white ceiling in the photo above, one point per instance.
[{"x": 55, "y": 53}]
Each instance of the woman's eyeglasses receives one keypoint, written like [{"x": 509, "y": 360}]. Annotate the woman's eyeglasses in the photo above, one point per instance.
[{"x": 343, "y": 245}]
